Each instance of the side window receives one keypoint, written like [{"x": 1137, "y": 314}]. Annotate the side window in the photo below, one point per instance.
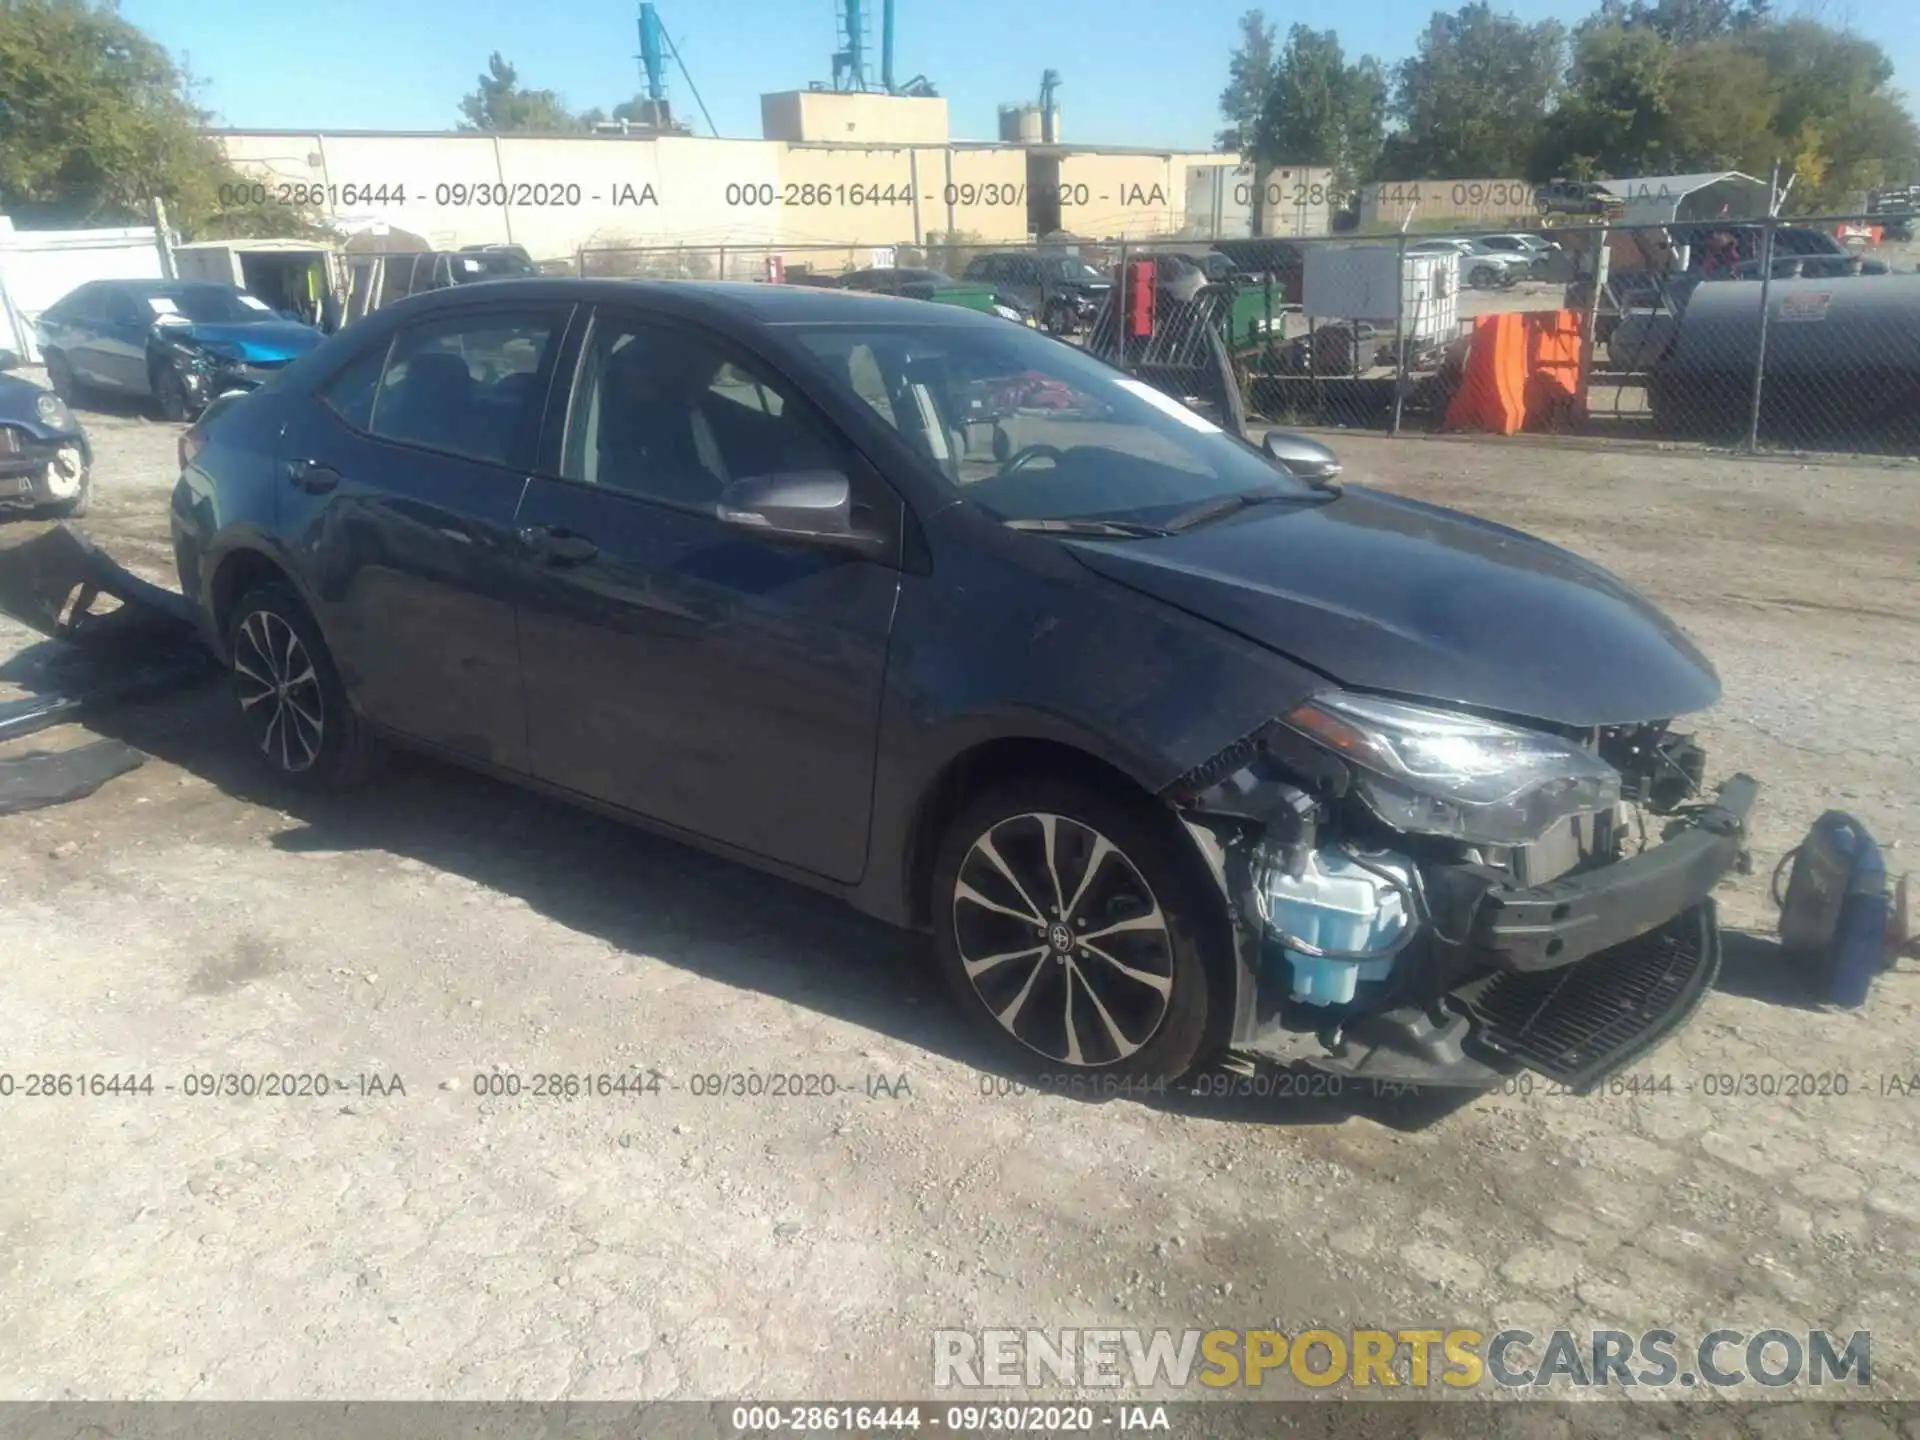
[
  {"x": 984, "y": 267},
  {"x": 82, "y": 304},
  {"x": 676, "y": 415},
  {"x": 122, "y": 309},
  {"x": 350, "y": 393},
  {"x": 468, "y": 384}
]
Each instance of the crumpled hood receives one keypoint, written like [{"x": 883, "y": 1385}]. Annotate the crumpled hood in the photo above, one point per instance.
[
  {"x": 1384, "y": 593},
  {"x": 261, "y": 342}
]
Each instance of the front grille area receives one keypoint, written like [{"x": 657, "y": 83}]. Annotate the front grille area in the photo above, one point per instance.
[{"x": 1583, "y": 1022}]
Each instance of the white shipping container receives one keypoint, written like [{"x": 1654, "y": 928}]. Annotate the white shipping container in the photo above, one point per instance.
[
  {"x": 1359, "y": 282},
  {"x": 1295, "y": 201}
]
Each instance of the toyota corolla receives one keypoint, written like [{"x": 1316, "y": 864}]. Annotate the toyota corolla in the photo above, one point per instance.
[{"x": 1174, "y": 746}]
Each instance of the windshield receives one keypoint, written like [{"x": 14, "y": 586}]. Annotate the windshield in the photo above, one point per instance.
[
  {"x": 1032, "y": 429},
  {"x": 1069, "y": 268},
  {"x": 492, "y": 265},
  {"x": 208, "y": 305}
]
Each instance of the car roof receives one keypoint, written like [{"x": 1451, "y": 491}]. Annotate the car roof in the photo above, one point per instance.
[{"x": 767, "y": 304}]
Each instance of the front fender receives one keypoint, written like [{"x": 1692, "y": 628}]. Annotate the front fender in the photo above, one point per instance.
[{"x": 1011, "y": 638}]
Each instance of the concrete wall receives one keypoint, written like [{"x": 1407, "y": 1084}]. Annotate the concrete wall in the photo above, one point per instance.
[
  {"x": 557, "y": 194},
  {"x": 833, "y": 117},
  {"x": 1221, "y": 200},
  {"x": 1106, "y": 194},
  {"x": 1476, "y": 204}
]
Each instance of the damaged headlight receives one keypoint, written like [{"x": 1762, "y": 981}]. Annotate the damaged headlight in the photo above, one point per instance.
[
  {"x": 53, "y": 412},
  {"x": 1440, "y": 772}
]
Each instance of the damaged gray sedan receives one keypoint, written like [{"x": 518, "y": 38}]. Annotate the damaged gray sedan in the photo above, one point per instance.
[{"x": 1174, "y": 745}]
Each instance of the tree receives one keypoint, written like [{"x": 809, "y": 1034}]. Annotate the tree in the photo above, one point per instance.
[
  {"x": 1320, "y": 110},
  {"x": 1249, "y": 78},
  {"x": 96, "y": 121},
  {"x": 1840, "y": 126},
  {"x": 1642, "y": 97},
  {"x": 1473, "y": 98},
  {"x": 500, "y": 107},
  {"x": 1637, "y": 103}
]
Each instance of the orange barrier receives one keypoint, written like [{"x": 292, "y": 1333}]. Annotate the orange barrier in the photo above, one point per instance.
[{"x": 1523, "y": 370}]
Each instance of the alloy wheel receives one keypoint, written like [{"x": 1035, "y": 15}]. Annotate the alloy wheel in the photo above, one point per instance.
[
  {"x": 1063, "y": 939},
  {"x": 279, "y": 691}
]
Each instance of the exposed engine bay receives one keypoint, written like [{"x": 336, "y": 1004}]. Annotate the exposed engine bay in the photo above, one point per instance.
[{"x": 1431, "y": 896}]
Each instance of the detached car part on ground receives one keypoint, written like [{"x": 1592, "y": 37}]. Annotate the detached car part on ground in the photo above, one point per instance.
[
  {"x": 178, "y": 343},
  {"x": 1169, "y": 749},
  {"x": 46, "y": 463}
]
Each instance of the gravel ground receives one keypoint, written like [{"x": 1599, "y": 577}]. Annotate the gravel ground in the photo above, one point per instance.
[{"x": 438, "y": 1244}]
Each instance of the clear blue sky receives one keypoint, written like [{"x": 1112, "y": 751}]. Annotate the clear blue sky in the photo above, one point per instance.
[{"x": 1139, "y": 72}]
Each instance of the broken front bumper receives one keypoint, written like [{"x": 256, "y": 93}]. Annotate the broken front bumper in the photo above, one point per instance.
[
  {"x": 40, "y": 472},
  {"x": 1548, "y": 926},
  {"x": 1575, "y": 979}
]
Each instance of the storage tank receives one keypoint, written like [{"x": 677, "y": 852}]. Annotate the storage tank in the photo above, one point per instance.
[
  {"x": 1842, "y": 354},
  {"x": 1020, "y": 124}
]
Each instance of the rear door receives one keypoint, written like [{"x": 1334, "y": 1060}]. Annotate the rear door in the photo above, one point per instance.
[
  {"x": 686, "y": 669},
  {"x": 398, "y": 492},
  {"x": 66, "y": 325}
]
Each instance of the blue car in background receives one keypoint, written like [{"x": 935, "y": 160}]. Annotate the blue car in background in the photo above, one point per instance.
[{"x": 178, "y": 343}]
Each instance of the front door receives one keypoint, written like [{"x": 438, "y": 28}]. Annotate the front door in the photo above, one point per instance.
[
  {"x": 115, "y": 353},
  {"x": 680, "y": 667},
  {"x": 399, "y": 491}
]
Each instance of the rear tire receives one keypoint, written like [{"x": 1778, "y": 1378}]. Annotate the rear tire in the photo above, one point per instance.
[
  {"x": 289, "y": 694},
  {"x": 1482, "y": 277},
  {"x": 1075, "y": 935}
]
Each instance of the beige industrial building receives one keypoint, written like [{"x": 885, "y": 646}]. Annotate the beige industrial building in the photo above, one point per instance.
[{"x": 859, "y": 169}]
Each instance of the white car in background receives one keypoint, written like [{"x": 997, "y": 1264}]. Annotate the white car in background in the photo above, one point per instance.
[
  {"x": 1481, "y": 267},
  {"x": 1537, "y": 250}
]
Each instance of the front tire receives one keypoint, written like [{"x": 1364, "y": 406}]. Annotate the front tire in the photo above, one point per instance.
[
  {"x": 1074, "y": 933},
  {"x": 170, "y": 395},
  {"x": 289, "y": 693},
  {"x": 1482, "y": 277}
]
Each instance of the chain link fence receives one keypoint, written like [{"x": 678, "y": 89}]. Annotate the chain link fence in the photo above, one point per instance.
[{"x": 1798, "y": 333}]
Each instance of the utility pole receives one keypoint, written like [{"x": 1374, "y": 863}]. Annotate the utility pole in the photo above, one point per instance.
[{"x": 164, "y": 237}]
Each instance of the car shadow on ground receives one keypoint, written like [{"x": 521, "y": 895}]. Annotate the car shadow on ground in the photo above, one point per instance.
[
  {"x": 1756, "y": 967},
  {"x": 649, "y": 895}
]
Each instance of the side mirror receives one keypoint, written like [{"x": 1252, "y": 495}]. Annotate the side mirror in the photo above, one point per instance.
[
  {"x": 9, "y": 360},
  {"x": 807, "y": 506},
  {"x": 1308, "y": 459}
]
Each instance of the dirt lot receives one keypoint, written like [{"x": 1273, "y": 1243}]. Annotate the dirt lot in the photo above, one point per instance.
[{"x": 435, "y": 1244}]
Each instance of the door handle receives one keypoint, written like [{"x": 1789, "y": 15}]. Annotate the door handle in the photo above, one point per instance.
[
  {"x": 311, "y": 476},
  {"x": 557, "y": 546}
]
